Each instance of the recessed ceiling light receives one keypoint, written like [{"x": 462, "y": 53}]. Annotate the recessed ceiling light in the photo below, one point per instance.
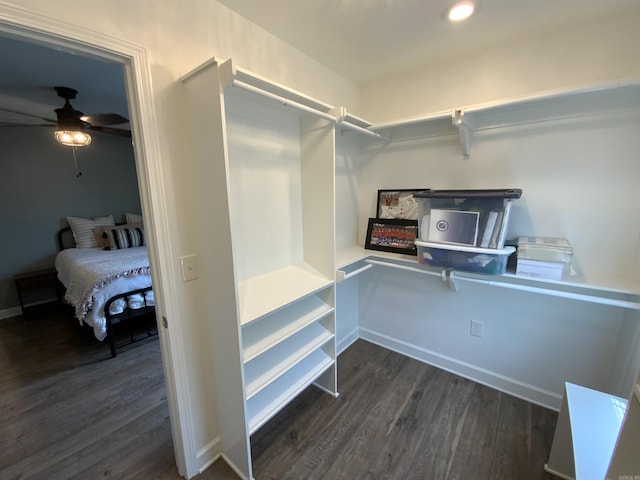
[{"x": 460, "y": 11}]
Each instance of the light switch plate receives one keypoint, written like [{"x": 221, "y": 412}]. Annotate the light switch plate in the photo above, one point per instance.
[{"x": 189, "y": 267}]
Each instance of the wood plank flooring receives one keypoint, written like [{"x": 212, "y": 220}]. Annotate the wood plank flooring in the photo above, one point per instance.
[
  {"x": 69, "y": 411},
  {"x": 397, "y": 418}
]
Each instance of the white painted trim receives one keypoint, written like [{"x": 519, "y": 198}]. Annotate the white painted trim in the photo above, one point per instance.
[
  {"x": 233, "y": 467},
  {"x": 556, "y": 474},
  {"x": 208, "y": 454},
  {"x": 24, "y": 24},
  {"x": 508, "y": 385},
  {"x": 10, "y": 312},
  {"x": 347, "y": 341}
]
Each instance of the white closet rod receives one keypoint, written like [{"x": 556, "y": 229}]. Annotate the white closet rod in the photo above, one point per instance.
[
  {"x": 525, "y": 288},
  {"x": 283, "y": 101},
  {"x": 342, "y": 275},
  {"x": 360, "y": 129}
]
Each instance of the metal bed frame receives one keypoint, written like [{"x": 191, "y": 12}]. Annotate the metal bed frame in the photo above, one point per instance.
[{"x": 128, "y": 315}]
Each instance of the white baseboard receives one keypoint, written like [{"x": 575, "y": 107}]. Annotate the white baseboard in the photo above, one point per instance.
[
  {"x": 346, "y": 342},
  {"x": 209, "y": 454},
  {"x": 509, "y": 385},
  {"x": 10, "y": 312},
  {"x": 233, "y": 467},
  {"x": 551, "y": 471}
]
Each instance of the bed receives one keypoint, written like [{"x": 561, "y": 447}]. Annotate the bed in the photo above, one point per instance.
[{"x": 107, "y": 286}]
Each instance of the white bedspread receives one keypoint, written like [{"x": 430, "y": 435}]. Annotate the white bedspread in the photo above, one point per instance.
[{"x": 92, "y": 276}]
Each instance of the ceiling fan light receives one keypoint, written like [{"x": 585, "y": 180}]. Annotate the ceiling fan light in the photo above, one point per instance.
[{"x": 73, "y": 138}]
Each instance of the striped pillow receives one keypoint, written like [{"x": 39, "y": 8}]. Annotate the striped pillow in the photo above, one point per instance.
[
  {"x": 133, "y": 218},
  {"x": 125, "y": 236},
  {"x": 82, "y": 229}
]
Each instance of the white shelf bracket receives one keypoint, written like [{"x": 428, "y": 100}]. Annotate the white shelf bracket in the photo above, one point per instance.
[
  {"x": 449, "y": 277},
  {"x": 464, "y": 131}
]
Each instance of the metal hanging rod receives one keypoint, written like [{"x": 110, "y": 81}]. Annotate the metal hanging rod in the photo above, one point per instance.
[
  {"x": 283, "y": 101},
  {"x": 452, "y": 278}
]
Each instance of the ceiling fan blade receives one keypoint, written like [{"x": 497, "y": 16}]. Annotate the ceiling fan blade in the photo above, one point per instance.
[
  {"x": 104, "y": 119},
  {"x": 119, "y": 132},
  {"x": 8, "y": 110}
]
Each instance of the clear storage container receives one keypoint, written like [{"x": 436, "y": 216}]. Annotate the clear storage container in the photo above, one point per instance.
[
  {"x": 545, "y": 249},
  {"x": 470, "y": 218},
  {"x": 458, "y": 257}
]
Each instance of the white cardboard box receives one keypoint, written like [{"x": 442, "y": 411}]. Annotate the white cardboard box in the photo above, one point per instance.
[{"x": 538, "y": 269}]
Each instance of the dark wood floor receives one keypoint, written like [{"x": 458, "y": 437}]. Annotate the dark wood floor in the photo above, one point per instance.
[
  {"x": 397, "y": 418},
  {"x": 69, "y": 411}
]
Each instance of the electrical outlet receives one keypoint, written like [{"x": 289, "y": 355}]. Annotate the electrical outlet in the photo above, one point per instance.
[{"x": 476, "y": 328}]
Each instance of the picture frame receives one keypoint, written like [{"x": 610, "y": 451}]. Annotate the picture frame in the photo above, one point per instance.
[
  {"x": 393, "y": 235},
  {"x": 398, "y": 204}
]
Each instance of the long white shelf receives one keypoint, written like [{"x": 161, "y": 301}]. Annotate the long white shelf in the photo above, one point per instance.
[
  {"x": 278, "y": 394},
  {"x": 560, "y": 104},
  {"x": 272, "y": 92},
  {"x": 274, "y": 362},
  {"x": 571, "y": 289},
  {"x": 263, "y": 294},
  {"x": 260, "y": 336}
]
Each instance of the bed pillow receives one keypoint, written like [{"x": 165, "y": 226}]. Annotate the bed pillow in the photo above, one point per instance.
[
  {"x": 82, "y": 229},
  {"x": 124, "y": 236},
  {"x": 133, "y": 218}
]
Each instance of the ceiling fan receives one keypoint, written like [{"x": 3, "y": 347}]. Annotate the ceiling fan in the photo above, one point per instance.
[{"x": 72, "y": 124}]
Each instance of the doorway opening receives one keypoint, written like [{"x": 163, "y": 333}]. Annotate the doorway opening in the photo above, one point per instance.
[{"x": 22, "y": 25}]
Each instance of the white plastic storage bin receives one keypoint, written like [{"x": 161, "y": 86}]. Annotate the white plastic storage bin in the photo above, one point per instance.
[
  {"x": 457, "y": 257},
  {"x": 545, "y": 249},
  {"x": 539, "y": 269},
  {"x": 469, "y": 218}
]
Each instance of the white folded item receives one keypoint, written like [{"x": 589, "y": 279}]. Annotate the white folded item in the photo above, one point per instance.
[
  {"x": 148, "y": 295},
  {"x": 135, "y": 301},
  {"x": 117, "y": 306}
]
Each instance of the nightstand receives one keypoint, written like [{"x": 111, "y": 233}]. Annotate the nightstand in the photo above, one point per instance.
[{"x": 37, "y": 289}]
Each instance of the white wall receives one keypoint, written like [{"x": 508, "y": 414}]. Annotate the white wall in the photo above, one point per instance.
[
  {"x": 178, "y": 37},
  {"x": 580, "y": 56},
  {"x": 578, "y": 179}
]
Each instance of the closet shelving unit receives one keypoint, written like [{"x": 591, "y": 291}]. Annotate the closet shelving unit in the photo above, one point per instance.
[
  {"x": 287, "y": 313},
  {"x": 599, "y": 99},
  {"x": 281, "y": 226},
  {"x": 466, "y": 120},
  {"x": 277, "y": 333}
]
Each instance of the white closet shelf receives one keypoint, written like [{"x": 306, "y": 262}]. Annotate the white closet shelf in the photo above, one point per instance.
[
  {"x": 355, "y": 253},
  {"x": 260, "y": 336},
  {"x": 272, "y": 399},
  {"x": 229, "y": 73},
  {"x": 267, "y": 293},
  {"x": 351, "y": 122},
  {"x": 464, "y": 121},
  {"x": 571, "y": 288},
  {"x": 424, "y": 126},
  {"x": 273, "y": 363}
]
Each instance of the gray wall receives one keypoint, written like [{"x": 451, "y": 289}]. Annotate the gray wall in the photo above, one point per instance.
[{"x": 39, "y": 189}]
